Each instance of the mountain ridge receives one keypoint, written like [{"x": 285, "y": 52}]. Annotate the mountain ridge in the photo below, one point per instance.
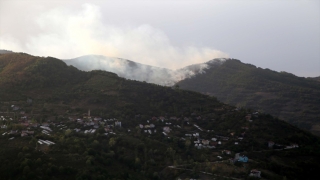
[
  {"x": 75, "y": 101},
  {"x": 281, "y": 94}
]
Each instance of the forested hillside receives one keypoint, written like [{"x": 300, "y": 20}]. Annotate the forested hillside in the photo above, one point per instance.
[
  {"x": 291, "y": 98},
  {"x": 58, "y": 122}
]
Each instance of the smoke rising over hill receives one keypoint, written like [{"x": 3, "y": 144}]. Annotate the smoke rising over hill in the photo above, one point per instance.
[
  {"x": 141, "y": 72},
  {"x": 64, "y": 33}
]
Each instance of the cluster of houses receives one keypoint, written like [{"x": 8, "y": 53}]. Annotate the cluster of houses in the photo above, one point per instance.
[
  {"x": 272, "y": 144},
  {"x": 90, "y": 131},
  {"x": 46, "y": 142},
  {"x": 46, "y": 129}
]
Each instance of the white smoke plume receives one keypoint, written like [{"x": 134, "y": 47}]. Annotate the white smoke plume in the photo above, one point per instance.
[{"x": 67, "y": 34}]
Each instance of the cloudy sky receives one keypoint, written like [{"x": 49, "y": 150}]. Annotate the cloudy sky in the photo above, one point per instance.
[{"x": 279, "y": 35}]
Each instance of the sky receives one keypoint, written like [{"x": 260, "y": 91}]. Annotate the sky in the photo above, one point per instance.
[{"x": 279, "y": 35}]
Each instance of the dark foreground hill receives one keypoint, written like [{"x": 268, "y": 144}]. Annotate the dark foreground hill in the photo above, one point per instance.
[
  {"x": 284, "y": 95},
  {"x": 134, "y": 130}
]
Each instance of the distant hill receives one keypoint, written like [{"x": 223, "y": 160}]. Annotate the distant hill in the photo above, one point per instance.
[
  {"x": 2, "y": 51},
  {"x": 291, "y": 98},
  {"x": 62, "y": 95},
  {"x": 137, "y": 71},
  {"x": 123, "y": 68}
]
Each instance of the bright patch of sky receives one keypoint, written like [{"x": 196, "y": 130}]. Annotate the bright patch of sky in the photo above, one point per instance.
[{"x": 279, "y": 35}]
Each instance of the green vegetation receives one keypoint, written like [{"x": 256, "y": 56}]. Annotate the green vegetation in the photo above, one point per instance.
[
  {"x": 61, "y": 95},
  {"x": 284, "y": 95}
]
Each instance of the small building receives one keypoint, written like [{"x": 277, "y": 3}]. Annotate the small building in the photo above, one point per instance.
[
  {"x": 117, "y": 124},
  {"x": 97, "y": 119},
  {"x": 164, "y": 133},
  {"x": 166, "y": 129},
  {"x": 146, "y": 126},
  {"x": 205, "y": 142},
  {"x": 255, "y": 173},
  {"x": 226, "y": 151},
  {"x": 294, "y": 145},
  {"x": 270, "y": 144},
  {"x": 243, "y": 159}
]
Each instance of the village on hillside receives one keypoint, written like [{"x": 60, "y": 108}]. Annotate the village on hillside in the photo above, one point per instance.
[{"x": 190, "y": 129}]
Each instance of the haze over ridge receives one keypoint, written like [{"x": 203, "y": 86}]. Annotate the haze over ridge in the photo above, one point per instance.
[
  {"x": 141, "y": 72},
  {"x": 67, "y": 34}
]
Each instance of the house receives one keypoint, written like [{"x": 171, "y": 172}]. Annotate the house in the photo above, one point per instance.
[
  {"x": 166, "y": 129},
  {"x": 173, "y": 118},
  {"x": 255, "y": 173},
  {"x": 13, "y": 131},
  {"x": 214, "y": 139},
  {"x": 243, "y": 159},
  {"x": 45, "y": 124},
  {"x": 270, "y": 144},
  {"x": 152, "y": 126},
  {"x": 141, "y": 126},
  {"x": 164, "y": 133},
  {"x": 4, "y": 127},
  {"x": 107, "y": 129},
  {"x": 205, "y": 142},
  {"x": 236, "y": 143},
  {"x": 223, "y": 138},
  {"x": 146, "y": 126},
  {"x": 27, "y": 132},
  {"x": 97, "y": 119},
  {"x": 196, "y": 134},
  {"x": 219, "y": 142},
  {"x": 294, "y": 145},
  {"x": 117, "y": 124},
  {"x": 226, "y": 151},
  {"x": 15, "y": 108}
]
